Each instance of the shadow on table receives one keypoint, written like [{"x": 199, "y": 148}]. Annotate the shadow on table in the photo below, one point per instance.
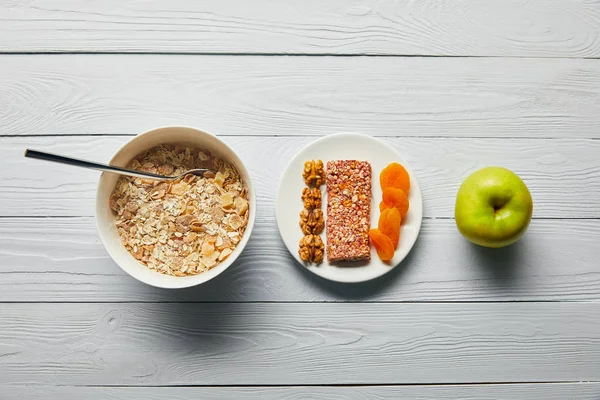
[
  {"x": 363, "y": 291},
  {"x": 266, "y": 274},
  {"x": 502, "y": 265},
  {"x": 199, "y": 330}
]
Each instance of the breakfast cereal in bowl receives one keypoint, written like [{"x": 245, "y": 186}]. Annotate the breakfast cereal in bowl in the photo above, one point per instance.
[
  {"x": 181, "y": 232},
  {"x": 184, "y": 227}
]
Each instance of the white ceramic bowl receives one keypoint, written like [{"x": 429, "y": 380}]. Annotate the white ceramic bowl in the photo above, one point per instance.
[{"x": 105, "y": 218}]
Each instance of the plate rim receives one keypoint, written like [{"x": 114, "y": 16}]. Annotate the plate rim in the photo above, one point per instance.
[{"x": 312, "y": 268}]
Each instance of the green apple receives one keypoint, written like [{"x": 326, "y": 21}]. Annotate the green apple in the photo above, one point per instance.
[{"x": 493, "y": 207}]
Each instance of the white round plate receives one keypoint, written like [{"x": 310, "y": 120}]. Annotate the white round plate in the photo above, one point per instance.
[{"x": 346, "y": 146}]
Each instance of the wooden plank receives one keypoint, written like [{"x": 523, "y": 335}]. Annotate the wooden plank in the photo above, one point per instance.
[
  {"x": 516, "y": 28},
  {"x": 62, "y": 260},
  {"x": 466, "y": 97},
  {"x": 295, "y": 343},
  {"x": 553, "y": 391},
  {"x": 563, "y": 175}
]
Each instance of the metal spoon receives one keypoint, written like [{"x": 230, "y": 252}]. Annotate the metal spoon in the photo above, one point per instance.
[{"x": 39, "y": 155}]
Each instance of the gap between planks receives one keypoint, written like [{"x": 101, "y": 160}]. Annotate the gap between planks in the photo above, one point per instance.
[
  {"x": 357, "y": 385},
  {"x": 373, "y": 302},
  {"x": 119, "y": 135},
  {"x": 340, "y": 55},
  {"x": 425, "y": 218},
  {"x": 429, "y": 302}
]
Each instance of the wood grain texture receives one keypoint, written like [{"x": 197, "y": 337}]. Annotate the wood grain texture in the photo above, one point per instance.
[
  {"x": 450, "y": 97},
  {"x": 285, "y": 343},
  {"x": 536, "y": 28},
  {"x": 554, "y": 391},
  {"x": 562, "y": 175},
  {"x": 62, "y": 260},
  {"x": 72, "y": 322}
]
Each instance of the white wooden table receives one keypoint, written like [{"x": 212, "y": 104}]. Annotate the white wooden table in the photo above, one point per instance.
[{"x": 454, "y": 85}]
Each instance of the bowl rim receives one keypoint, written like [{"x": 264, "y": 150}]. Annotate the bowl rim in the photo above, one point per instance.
[{"x": 239, "y": 247}]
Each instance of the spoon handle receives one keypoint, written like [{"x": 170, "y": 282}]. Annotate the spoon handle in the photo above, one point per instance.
[{"x": 40, "y": 155}]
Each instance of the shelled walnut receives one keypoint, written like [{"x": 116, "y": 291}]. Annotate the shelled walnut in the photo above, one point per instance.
[
  {"x": 314, "y": 173},
  {"x": 311, "y": 197},
  {"x": 312, "y": 249},
  {"x": 312, "y": 222}
]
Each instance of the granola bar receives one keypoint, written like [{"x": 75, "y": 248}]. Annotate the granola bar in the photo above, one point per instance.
[{"x": 348, "y": 210}]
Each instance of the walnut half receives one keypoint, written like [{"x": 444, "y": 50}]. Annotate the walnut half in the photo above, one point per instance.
[
  {"x": 314, "y": 173},
  {"x": 311, "y": 198},
  {"x": 312, "y": 249},
  {"x": 312, "y": 222}
]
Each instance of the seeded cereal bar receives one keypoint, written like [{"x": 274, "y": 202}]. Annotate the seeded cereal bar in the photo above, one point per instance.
[{"x": 348, "y": 210}]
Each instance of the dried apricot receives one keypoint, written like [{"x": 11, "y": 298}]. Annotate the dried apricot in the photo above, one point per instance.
[
  {"x": 394, "y": 175},
  {"x": 383, "y": 244},
  {"x": 389, "y": 224},
  {"x": 395, "y": 198}
]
